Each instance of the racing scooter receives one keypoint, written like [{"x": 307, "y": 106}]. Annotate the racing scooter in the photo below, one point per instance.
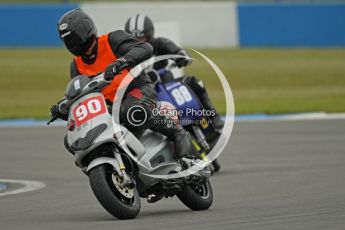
[
  {"x": 123, "y": 166},
  {"x": 192, "y": 115}
]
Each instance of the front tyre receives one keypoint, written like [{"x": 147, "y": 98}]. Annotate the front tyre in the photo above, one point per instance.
[
  {"x": 215, "y": 167},
  {"x": 197, "y": 196},
  {"x": 121, "y": 202}
]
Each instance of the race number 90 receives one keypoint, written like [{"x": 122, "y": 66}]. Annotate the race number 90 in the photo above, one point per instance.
[{"x": 89, "y": 109}]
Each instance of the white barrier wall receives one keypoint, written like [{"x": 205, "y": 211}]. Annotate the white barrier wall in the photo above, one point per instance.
[{"x": 191, "y": 24}]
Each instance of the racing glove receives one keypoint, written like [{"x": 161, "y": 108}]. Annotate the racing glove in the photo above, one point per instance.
[
  {"x": 54, "y": 112},
  {"x": 180, "y": 62},
  {"x": 115, "y": 68}
]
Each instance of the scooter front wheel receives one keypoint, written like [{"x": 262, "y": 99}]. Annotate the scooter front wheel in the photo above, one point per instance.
[{"x": 120, "y": 201}]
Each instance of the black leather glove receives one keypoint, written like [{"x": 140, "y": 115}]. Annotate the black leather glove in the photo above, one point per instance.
[
  {"x": 54, "y": 112},
  {"x": 115, "y": 68},
  {"x": 180, "y": 62}
]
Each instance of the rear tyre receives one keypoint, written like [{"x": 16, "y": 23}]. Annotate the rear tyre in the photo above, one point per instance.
[
  {"x": 121, "y": 202},
  {"x": 197, "y": 196}
]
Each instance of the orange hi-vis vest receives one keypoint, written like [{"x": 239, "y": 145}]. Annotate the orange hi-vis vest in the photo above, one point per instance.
[{"x": 105, "y": 56}]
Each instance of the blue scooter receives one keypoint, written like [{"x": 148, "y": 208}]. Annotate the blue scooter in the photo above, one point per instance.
[{"x": 191, "y": 114}]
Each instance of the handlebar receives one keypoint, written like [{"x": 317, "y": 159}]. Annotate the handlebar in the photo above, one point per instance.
[
  {"x": 53, "y": 119},
  {"x": 166, "y": 69},
  {"x": 101, "y": 82},
  {"x": 99, "y": 77}
]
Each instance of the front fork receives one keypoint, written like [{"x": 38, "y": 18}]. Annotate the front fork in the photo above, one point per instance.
[
  {"x": 201, "y": 145},
  {"x": 126, "y": 179}
]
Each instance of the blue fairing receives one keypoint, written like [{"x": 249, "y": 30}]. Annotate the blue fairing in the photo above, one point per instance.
[{"x": 182, "y": 98}]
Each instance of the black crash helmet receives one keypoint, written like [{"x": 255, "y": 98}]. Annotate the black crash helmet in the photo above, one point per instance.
[
  {"x": 140, "y": 26},
  {"x": 77, "y": 31}
]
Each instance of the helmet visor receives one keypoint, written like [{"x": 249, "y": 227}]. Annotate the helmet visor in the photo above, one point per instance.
[{"x": 74, "y": 43}]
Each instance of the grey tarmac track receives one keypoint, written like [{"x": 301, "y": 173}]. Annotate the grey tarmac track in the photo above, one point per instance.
[{"x": 275, "y": 175}]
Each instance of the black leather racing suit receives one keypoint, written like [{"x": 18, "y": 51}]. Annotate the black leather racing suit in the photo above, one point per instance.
[
  {"x": 163, "y": 46},
  {"x": 141, "y": 92}
]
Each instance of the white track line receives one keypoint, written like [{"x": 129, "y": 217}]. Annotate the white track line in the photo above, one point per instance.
[
  {"x": 295, "y": 117},
  {"x": 314, "y": 116},
  {"x": 28, "y": 186}
]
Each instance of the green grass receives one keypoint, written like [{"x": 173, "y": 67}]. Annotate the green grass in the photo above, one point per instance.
[
  {"x": 278, "y": 80},
  {"x": 31, "y": 80},
  {"x": 262, "y": 80}
]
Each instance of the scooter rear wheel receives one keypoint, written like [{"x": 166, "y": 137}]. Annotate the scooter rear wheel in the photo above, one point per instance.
[{"x": 197, "y": 196}]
